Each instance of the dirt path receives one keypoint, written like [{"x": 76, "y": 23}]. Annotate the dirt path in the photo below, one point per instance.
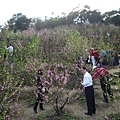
[
  {"x": 102, "y": 109},
  {"x": 114, "y": 70}
]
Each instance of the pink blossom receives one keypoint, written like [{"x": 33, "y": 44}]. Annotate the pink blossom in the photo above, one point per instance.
[
  {"x": 50, "y": 92},
  {"x": 25, "y": 88},
  {"x": 11, "y": 106},
  {"x": 65, "y": 80},
  {"x": 57, "y": 77},
  {"x": 46, "y": 97},
  {"x": 16, "y": 104},
  {"x": 5, "y": 98},
  {"x": 48, "y": 76},
  {"x": 2, "y": 87},
  {"x": 19, "y": 43},
  {"x": 7, "y": 116},
  {"x": 106, "y": 117}
]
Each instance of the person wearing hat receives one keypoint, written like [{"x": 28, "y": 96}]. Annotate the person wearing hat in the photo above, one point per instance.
[
  {"x": 103, "y": 75},
  {"x": 89, "y": 92}
]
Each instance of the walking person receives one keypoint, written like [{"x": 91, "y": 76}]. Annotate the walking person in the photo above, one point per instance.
[
  {"x": 40, "y": 91},
  {"x": 103, "y": 75},
  {"x": 11, "y": 52},
  {"x": 89, "y": 92}
]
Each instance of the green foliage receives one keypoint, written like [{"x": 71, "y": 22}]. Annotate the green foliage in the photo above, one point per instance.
[
  {"x": 18, "y": 22},
  {"x": 117, "y": 79},
  {"x": 51, "y": 49}
]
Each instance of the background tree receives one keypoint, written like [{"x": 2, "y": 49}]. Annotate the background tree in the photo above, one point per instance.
[
  {"x": 112, "y": 17},
  {"x": 18, "y": 22},
  {"x": 94, "y": 16},
  {"x": 115, "y": 20}
]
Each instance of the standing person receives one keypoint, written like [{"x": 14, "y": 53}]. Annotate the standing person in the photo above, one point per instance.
[
  {"x": 40, "y": 91},
  {"x": 103, "y": 75},
  {"x": 99, "y": 63},
  {"x": 104, "y": 53},
  {"x": 11, "y": 50},
  {"x": 89, "y": 92},
  {"x": 115, "y": 59},
  {"x": 96, "y": 55},
  {"x": 92, "y": 56}
]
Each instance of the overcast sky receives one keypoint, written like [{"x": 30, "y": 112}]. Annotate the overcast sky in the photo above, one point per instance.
[{"x": 42, "y": 8}]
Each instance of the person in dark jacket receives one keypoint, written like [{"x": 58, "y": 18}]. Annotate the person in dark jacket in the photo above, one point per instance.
[
  {"x": 115, "y": 59},
  {"x": 40, "y": 91}
]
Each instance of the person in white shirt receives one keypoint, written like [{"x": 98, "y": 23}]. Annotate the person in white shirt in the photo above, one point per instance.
[
  {"x": 11, "y": 50},
  {"x": 89, "y": 92}
]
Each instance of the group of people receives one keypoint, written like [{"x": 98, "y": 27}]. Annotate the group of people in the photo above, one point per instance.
[
  {"x": 87, "y": 83},
  {"x": 104, "y": 76},
  {"x": 99, "y": 72},
  {"x": 105, "y": 57},
  {"x": 93, "y": 56}
]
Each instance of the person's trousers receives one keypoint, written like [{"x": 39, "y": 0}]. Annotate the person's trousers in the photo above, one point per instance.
[
  {"x": 93, "y": 60},
  {"x": 39, "y": 100},
  {"x": 90, "y": 100},
  {"x": 106, "y": 87},
  {"x": 11, "y": 58}
]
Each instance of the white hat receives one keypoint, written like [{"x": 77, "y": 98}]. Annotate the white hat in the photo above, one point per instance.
[{"x": 94, "y": 67}]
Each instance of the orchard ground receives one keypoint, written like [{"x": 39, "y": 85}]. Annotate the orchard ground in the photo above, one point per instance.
[{"x": 76, "y": 109}]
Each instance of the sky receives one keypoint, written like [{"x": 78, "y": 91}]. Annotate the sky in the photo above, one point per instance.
[{"x": 42, "y": 8}]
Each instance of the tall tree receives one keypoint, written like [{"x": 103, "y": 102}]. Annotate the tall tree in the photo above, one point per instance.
[
  {"x": 109, "y": 17},
  {"x": 19, "y": 22},
  {"x": 94, "y": 16}
]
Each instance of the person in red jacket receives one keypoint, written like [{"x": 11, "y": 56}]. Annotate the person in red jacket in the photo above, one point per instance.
[
  {"x": 103, "y": 75},
  {"x": 96, "y": 55},
  {"x": 92, "y": 56}
]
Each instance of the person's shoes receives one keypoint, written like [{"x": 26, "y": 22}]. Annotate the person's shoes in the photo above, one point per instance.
[
  {"x": 86, "y": 113},
  {"x": 112, "y": 98},
  {"x": 42, "y": 109},
  {"x": 93, "y": 112},
  {"x": 35, "y": 111},
  {"x": 106, "y": 101}
]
